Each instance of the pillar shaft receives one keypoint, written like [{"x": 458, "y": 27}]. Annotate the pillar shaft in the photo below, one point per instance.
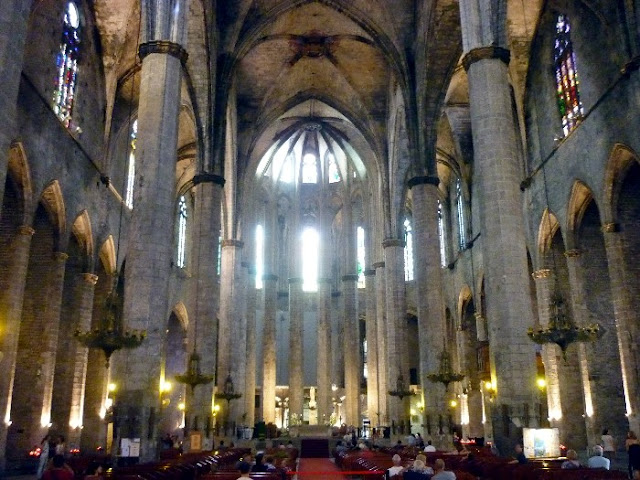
[
  {"x": 250, "y": 382},
  {"x": 627, "y": 320},
  {"x": 11, "y": 297},
  {"x": 371, "y": 334},
  {"x": 14, "y": 17},
  {"x": 150, "y": 245},
  {"x": 498, "y": 172},
  {"x": 381, "y": 416},
  {"x": 270, "y": 285},
  {"x": 351, "y": 348},
  {"x": 396, "y": 324},
  {"x": 295, "y": 348},
  {"x": 323, "y": 363},
  {"x": 429, "y": 296}
]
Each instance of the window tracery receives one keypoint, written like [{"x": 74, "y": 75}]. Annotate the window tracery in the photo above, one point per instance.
[
  {"x": 408, "y": 251},
  {"x": 182, "y": 232},
  {"x": 131, "y": 171},
  {"x": 567, "y": 84},
  {"x": 67, "y": 65}
]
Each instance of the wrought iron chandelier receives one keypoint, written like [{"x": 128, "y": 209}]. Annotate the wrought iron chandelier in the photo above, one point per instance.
[
  {"x": 228, "y": 392},
  {"x": 402, "y": 390},
  {"x": 192, "y": 376},
  {"x": 445, "y": 373}
]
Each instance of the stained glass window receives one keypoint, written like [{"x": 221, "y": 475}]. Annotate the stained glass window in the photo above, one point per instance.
[
  {"x": 567, "y": 84},
  {"x": 219, "y": 263},
  {"x": 259, "y": 256},
  {"x": 443, "y": 245},
  {"x": 462, "y": 228},
  {"x": 334, "y": 173},
  {"x": 131, "y": 174},
  {"x": 67, "y": 65},
  {"x": 360, "y": 254},
  {"x": 408, "y": 251},
  {"x": 309, "y": 169},
  {"x": 182, "y": 231},
  {"x": 310, "y": 245}
]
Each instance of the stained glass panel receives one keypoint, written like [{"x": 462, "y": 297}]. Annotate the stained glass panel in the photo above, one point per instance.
[
  {"x": 567, "y": 84},
  {"x": 67, "y": 65}
]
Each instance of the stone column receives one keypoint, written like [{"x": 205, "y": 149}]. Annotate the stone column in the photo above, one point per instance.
[
  {"x": 11, "y": 296},
  {"x": 498, "y": 175},
  {"x": 250, "y": 378},
  {"x": 323, "y": 362},
  {"x": 14, "y": 19},
  {"x": 351, "y": 346},
  {"x": 381, "y": 416},
  {"x": 239, "y": 353},
  {"x": 627, "y": 320},
  {"x": 396, "y": 325},
  {"x": 84, "y": 310},
  {"x": 270, "y": 285},
  {"x": 296, "y": 385},
  {"x": 204, "y": 332},
  {"x": 150, "y": 242},
  {"x": 371, "y": 334},
  {"x": 429, "y": 299},
  {"x": 231, "y": 329}
]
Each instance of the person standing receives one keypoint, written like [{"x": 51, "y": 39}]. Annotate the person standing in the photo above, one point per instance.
[
  {"x": 608, "y": 444},
  {"x": 60, "y": 446},
  {"x": 633, "y": 450},
  {"x": 44, "y": 456}
]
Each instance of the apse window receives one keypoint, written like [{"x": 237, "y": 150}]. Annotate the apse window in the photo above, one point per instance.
[
  {"x": 361, "y": 257},
  {"x": 462, "y": 227},
  {"x": 287, "y": 171},
  {"x": 182, "y": 232},
  {"x": 309, "y": 169},
  {"x": 259, "y": 256},
  {"x": 334, "y": 173},
  {"x": 408, "y": 251},
  {"x": 310, "y": 245},
  {"x": 443, "y": 245},
  {"x": 67, "y": 65},
  {"x": 567, "y": 84},
  {"x": 131, "y": 170}
]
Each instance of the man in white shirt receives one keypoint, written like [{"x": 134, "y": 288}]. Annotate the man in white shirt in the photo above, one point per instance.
[
  {"x": 441, "y": 473},
  {"x": 397, "y": 468},
  {"x": 598, "y": 461},
  {"x": 429, "y": 447}
]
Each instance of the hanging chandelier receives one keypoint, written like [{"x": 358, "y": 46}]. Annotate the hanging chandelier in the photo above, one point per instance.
[
  {"x": 192, "y": 376},
  {"x": 445, "y": 373},
  {"x": 562, "y": 331},
  {"x": 402, "y": 390},
  {"x": 110, "y": 336}
]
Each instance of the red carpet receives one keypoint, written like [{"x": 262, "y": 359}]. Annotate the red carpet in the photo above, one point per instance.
[{"x": 317, "y": 465}]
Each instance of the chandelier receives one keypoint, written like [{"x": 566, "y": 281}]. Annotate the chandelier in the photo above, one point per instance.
[
  {"x": 228, "y": 392},
  {"x": 192, "y": 376},
  {"x": 402, "y": 390},
  {"x": 561, "y": 330},
  {"x": 110, "y": 336},
  {"x": 445, "y": 373}
]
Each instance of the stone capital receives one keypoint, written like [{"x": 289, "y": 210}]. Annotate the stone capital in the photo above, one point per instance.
[
  {"x": 484, "y": 53},
  {"x": 573, "y": 253},
  {"x": 295, "y": 280},
  {"x": 90, "y": 278},
  {"x": 610, "y": 227},
  {"x": 164, "y": 47},
  {"x": 351, "y": 277},
  {"x": 542, "y": 273},
  {"x": 392, "y": 242},
  {"x": 423, "y": 180},
  {"x": 324, "y": 280},
  {"x": 378, "y": 265},
  {"x": 369, "y": 273},
  {"x": 26, "y": 230},
  {"x": 205, "y": 177},
  {"x": 60, "y": 256},
  {"x": 232, "y": 242},
  {"x": 270, "y": 277}
]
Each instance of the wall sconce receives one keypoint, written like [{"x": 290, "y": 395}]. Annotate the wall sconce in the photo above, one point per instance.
[
  {"x": 541, "y": 383},
  {"x": 490, "y": 389}
]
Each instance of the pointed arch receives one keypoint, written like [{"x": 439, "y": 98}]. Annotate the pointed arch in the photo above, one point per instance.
[
  {"x": 81, "y": 229},
  {"x": 464, "y": 298},
  {"x": 620, "y": 160},
  {"x": 579, "y": 200},
  {"x": 546, "y": 231},
  {"x": 180, "y": 311},
  {"x": 53, "y": 202},
  {"x": 107, "y": 256},
  {"x": 20, "y": 173}
]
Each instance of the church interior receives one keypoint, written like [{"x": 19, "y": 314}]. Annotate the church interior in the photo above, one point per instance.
[{"x": 407, "y": 215}]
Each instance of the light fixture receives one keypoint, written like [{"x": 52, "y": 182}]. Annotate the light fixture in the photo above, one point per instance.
[
  {"x": 541, "y": 383},
  {"x": 112, "y": 387},
  {"x": 165, "y": 386},
  {"x": 445, "y": 373},
  {"x": 453, "y": 403},
  {"x": 402, "y": 390}
]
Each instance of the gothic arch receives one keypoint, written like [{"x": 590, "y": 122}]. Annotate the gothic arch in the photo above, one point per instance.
[
  {"x": 107, "y": 256},
  {"x": 548, "y": 226},
  {"x": 180, "y": 311},
  {"x": 464, "y": 298},
  {"x": 20, "y": 173},
  {"x": 620, "y": 160},
  {"x": 81, "y": 229},
  {"x": 53, "y": 202},
  {"x": 579, "y": 200}
]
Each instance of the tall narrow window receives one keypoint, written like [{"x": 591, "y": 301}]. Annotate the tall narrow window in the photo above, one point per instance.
[
  {"x": 259, "y": 256},
  {"x": 408, "y": 251},
  {"x": 334, "y": 173},
  {"x": 443, "y": 245},
  {"x": 131, "y": 173},
  {"x": 219, "y": 263},
  {"x": 67, "y": 65},
  {"x": 567, "y": 84},
  {"x": 182, "y": 232},
  {"x": 365, "y": 370},
  {"x": 309, "y": 169},
  {"x": 310, "y": 245},
  {"x": 462, "y": 228},
  {"x": 360, "y": 254}
]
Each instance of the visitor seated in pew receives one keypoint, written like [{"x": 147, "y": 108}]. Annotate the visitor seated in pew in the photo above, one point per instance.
[
  {"x": 244, "y": 469},
  {"x": 441, "y": 473},
  {"x": 429, "y": 447},
  {"x": 259, "y": 466},
  {"x": 598, "y": 460},
  {"x": 397, "y": 468},
  {"x": 571, "y": 461}
]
